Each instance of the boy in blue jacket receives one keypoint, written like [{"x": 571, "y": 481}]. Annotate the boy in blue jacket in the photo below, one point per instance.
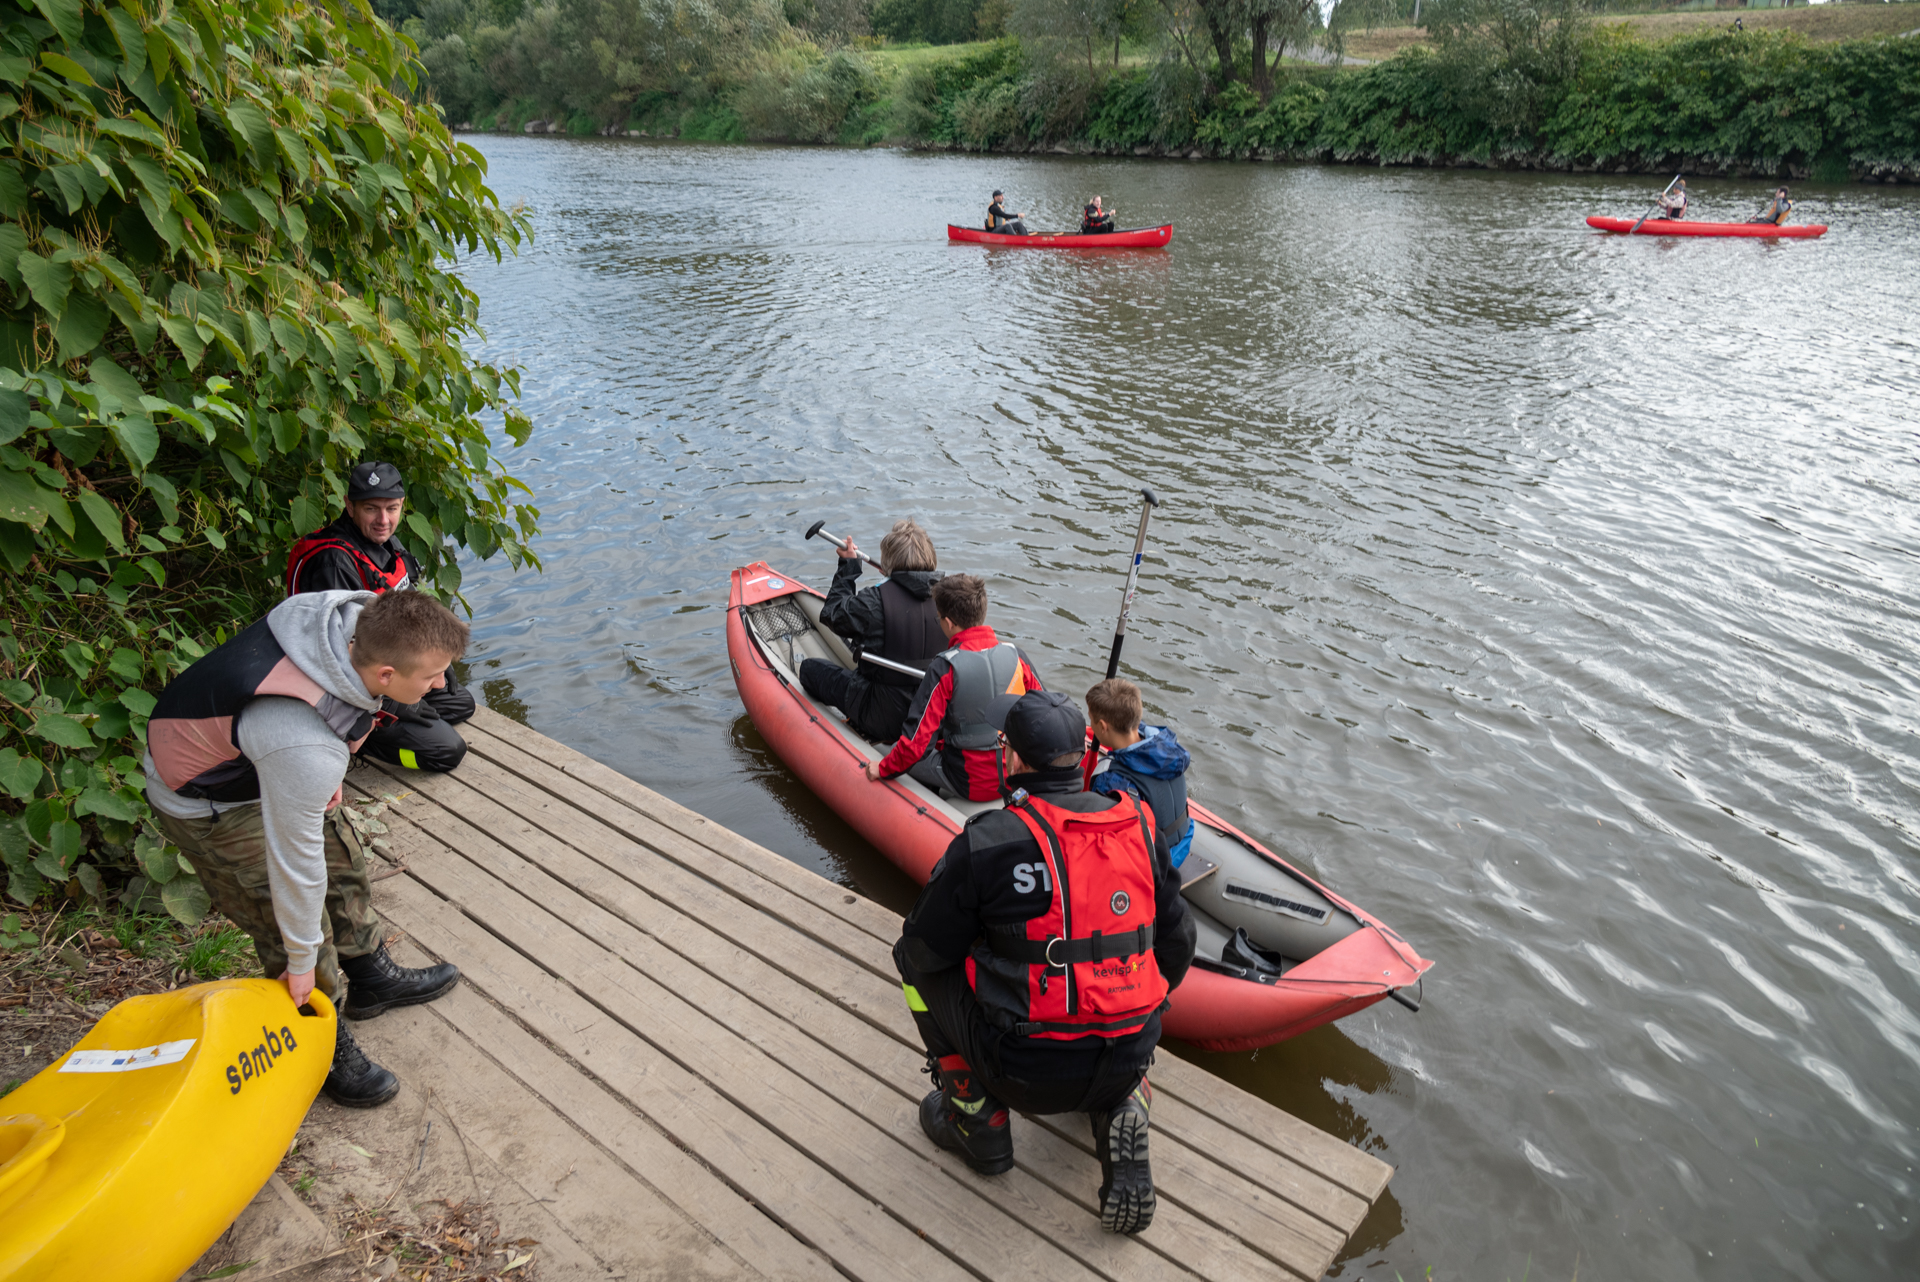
[{"x": 1146, "y": 761}]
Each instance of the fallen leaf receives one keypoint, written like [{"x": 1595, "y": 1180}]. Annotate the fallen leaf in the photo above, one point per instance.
[
  {"x": 518, "y": 1260},
  {"x": 356, "y": 1148}
]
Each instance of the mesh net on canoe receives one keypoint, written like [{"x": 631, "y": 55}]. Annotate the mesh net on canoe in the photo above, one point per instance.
[{"x": 780, "y": 624}]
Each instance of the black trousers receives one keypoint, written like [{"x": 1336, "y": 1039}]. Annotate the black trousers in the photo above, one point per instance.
[
  {"x": 877, "y": 711},
  {"x": 953, "y": 1023},
  {"x": 422, "y": 736}
]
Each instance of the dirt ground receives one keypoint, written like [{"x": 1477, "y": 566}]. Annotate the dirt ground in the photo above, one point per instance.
[{"x": 1819, "y": 22}]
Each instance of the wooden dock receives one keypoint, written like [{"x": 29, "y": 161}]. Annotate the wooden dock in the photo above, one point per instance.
[{"x": 692, "y": 1057}]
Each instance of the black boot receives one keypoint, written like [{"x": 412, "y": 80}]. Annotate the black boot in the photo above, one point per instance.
[
  {"x": 962, "y": 1118},
  {"x": 355, "y": 1081},
  {"x": 376, "y": 982},
  {"x": 1126, "y": 1181}
]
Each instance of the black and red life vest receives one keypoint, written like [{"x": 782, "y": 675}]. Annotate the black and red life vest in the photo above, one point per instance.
[
  {"x": 1087, "y": 961},
  {"x": 194, "y": 733},
  {"x": 372, "y": 577}
]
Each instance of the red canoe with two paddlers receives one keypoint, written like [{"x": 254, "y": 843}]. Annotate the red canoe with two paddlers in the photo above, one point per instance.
[
  {"x": 1278, "y": 953},
  {"x": 1688, "y": 227},
  {"x": 1128, "y": 238}
]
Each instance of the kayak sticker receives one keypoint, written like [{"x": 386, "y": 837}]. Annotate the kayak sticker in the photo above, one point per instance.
[
  {"x": 774, "y": 585},
  {"x": 254, "y": 1063},
  {"x": 127, "y": 1061},
  {"x": 1272, "y": 901}
]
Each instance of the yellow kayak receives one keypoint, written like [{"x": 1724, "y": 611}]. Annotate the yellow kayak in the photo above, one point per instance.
[{"x": 128, "y": 1157}]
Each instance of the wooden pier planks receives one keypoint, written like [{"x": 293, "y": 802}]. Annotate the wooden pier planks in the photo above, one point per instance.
[{"x": 671, "y": 988}]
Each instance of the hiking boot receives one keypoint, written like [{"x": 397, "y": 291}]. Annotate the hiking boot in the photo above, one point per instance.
[
  {"x": 1126, "y": 1182},
  {"x": 376, "y": 982},
  {"x": 984, "y": 1139},
  {"x": 355, "y": 1081}
]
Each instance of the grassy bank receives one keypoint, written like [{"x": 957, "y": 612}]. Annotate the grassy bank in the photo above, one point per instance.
[{"x": 1759, "y": 103}]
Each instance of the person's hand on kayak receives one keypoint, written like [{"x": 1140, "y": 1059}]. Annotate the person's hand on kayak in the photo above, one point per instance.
[
  {"x": 873, "y": 772},
  {"x": 299, "y": 987},
  {"x": 848, "y": 551}
]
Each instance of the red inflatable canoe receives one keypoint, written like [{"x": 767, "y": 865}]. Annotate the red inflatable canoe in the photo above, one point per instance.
[
  {"x": 1278, "y": 952},
  {"x": 1130, "y": 238},
  {"x": 1682, "y": 227}
]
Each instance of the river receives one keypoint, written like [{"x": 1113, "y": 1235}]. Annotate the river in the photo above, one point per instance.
[{"x": 1552, "y": 595}]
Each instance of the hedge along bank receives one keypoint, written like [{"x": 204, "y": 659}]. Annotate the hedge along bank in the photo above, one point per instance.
[
  {"x": 224, "y": 255},
  {"x": 1752, "y": 103}
]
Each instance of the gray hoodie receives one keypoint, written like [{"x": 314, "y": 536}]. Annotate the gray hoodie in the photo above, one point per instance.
[{"x": 301, "y": 762}]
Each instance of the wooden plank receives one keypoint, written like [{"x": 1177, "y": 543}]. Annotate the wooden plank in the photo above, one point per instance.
[
  {"x": 673, "y": 907},
  {"x": 637, "y": 1147},
  {"x": 845, "y": 1045},
  {"x": 804, "y": 1196},
  {"x": 619, "y": 1220},
  {"x": 812, "y": 1116},
  {"x": 1274, "y": 1128},
  {"x": 643, "y": 801},
  {"x": 1337, "y": 1207},
  {"x": 699, "y": 892}
]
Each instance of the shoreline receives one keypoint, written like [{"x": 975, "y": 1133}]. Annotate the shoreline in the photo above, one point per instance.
[{"x": 1516, "y": 162}]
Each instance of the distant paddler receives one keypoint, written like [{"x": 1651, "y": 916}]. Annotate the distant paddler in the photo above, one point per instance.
[
  {"x": 1777, "y": 211},
  {"x": 1002, "y": 222},
  {"x": 1095, "y": 221},
  {"x": 1673, "y": 201}
]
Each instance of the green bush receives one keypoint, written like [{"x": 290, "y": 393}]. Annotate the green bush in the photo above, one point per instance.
[{"x": 224, "y": 249}]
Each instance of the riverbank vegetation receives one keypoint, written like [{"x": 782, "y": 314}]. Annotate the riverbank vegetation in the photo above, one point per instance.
[
  {"x": 1499, "y": 82},
  {"x": 225, "y": 229}
]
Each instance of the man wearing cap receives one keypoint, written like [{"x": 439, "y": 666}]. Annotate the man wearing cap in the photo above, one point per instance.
[
  {"x": 1068, "y": 910},
  {"x": 359, "y": 553},
  {"x": 999, "y": 220}
]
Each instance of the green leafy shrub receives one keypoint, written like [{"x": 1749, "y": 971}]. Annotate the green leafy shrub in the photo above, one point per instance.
[{"x": 224, "y": 248}]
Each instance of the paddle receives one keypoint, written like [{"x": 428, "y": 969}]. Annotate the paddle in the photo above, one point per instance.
[
  {"x": 841, "y": 543},
  {"x": 891, "y": 666},
  {"x": 1656, "y": 205},
  {"x": 1133, "y": 581}
]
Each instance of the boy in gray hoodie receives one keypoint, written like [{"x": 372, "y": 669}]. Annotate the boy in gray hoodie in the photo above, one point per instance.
[{"x": 247, "y": 751}]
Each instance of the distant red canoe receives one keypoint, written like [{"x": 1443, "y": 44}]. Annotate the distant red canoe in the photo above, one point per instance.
[
  {"x": 1130, "y": 238},
  {"x": 1683, "y": 227}
]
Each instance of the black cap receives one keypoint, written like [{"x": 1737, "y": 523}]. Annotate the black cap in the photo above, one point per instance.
[
  {"x": 375, "y": 480},
  {"x": 1040, "y": 725},
  {"x": 998, "y": 192}
]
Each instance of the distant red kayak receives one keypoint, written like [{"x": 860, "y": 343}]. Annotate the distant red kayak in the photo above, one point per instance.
[
  {"x": 1129, "y": 238},
  {"x": 1683, "y": 227}
]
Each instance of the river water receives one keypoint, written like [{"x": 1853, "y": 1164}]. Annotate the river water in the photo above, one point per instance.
[{"x": 1552, "y": 595}]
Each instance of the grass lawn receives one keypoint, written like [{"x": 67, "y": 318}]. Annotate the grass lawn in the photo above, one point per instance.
[{"x": 1819, "y": 22}]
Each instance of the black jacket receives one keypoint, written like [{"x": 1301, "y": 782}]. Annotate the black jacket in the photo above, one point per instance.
[
  {"x": 331, "y": 570},
  {"x": 973, "y": 886},
  {"x": 856, "y": 615}
]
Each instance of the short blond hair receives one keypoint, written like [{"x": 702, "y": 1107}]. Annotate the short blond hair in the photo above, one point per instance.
[
  {"x": 1115, "y": 701},
  {"x": 907, "y": 547}
]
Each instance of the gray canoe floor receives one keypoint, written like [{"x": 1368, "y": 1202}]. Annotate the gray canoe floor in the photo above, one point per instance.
[{"x": 694, "y": 1055}]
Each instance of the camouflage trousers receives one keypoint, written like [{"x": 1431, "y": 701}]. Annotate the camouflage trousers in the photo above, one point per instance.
[{"x": 229, "y": 852}]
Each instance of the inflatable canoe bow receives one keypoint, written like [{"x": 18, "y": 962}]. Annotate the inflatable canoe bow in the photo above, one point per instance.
[
  {"x": 131, "y": 1155},
  {"x": 1128, "y": 238},
  {"x": 1686, "y": 227},
  {"x": 1278, "y": 952}
]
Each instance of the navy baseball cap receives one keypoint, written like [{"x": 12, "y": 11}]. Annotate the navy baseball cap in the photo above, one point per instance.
[
  {"x": 1041, "y": 725},
  {"x": 375, "y": 480}
]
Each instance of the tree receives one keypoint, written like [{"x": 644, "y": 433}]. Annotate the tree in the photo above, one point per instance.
[{"x": 224, "y": 244}]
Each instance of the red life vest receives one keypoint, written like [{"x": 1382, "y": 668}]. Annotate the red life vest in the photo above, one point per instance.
[
  {"x": 193, "y": 735},
  {"x": 1089, "y": 960},
  {"x": 372, "y": 577}
]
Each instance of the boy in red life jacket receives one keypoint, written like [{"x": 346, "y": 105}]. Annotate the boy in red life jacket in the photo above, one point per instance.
[
  {"x": 1037, "y": 958},
  {"x": 948, "y": 714},
  {"x": 359, "y": 553},
  {"x": 246, "y": 752}
]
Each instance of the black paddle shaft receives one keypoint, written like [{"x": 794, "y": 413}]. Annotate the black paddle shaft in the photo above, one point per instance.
[
  {"x": 1133, "y": 582},
  {"x": 815, "y": 528}
]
